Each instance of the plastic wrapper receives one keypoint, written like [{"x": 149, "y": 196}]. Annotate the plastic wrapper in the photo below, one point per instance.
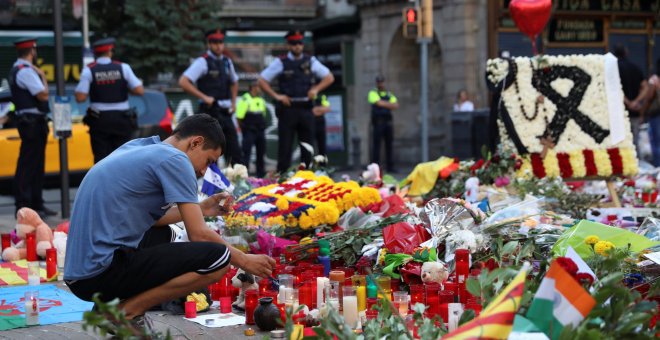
[
  {"x": 269, "y": 244},
  {"x": 442, "y": 216},
  {"x": 411, "y": 273},
  {"x": 576, "y": 235},
  {"x": 393, "y": 262},
  {"x": 402, "y": 238},
  {"x": 355, "y": 218},
  {"x": 650, "y": 228},
  {"x": 531, "y": 206}
]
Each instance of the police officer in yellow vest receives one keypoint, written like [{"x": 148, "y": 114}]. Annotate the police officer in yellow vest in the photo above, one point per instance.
[
  {"x": 251, "y": 114},
  {"x": 383, "y": 102},
  {"x": 321, "y": 107}
]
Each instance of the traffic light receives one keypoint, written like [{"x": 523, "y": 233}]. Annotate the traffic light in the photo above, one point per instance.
[
  {"x": 427, "y": 19},
  {"x": 411, "y": 23}
]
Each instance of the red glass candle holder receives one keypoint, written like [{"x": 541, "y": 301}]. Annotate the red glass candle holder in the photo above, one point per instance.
[
  {"x": 251, "y": 301},
  {"x": 264, "y": 285},
  {"x": 225, "y": 304},
  {"x": 305, "y": 295},
  {"x": 6, "y": 241},
  {"x": 371, "y": 314},
  {"x": 432, "y": 298},
  {"x": 417, "y": 294},
  {"x": 395, "y": 285},
  {"x": 462, "y": 272},
  {"x": 446, "y": 296},
  {"x": 271, "y": 294},
  {"x": 191, "y": 309},
  {"x": 317, "y": 269},
  {"x": 51, "y": 263},
  {"x": 462, "y": 255},
  {"x": 444, "y": 312},
  {"x": 371, "y": 302},
  {"x": 31, "y": 245}
]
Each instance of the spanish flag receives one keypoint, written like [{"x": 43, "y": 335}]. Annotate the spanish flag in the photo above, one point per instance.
[
  {"x": 559, "y": 301},
  {"x": 496, "y": 321}
]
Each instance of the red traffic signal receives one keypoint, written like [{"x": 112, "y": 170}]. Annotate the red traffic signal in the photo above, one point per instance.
[{"x": 411, "y": 15}]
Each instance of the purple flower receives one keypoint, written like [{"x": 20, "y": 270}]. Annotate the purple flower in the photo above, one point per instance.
[{"x": 502, "y": 181}]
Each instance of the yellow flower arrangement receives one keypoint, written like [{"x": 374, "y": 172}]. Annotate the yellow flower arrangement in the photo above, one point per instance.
[
  {"x": 603, "y": 163},
  {"x": 304, "y": 201},
  {"x": 551, "y": 164},
  {"x": 629, "y": 161},
  {"x": 577, "y": 163},
  {"x": 591, "y": 240}
]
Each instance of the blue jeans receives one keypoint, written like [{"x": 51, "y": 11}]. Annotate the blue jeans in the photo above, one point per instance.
[{"x": 654, "y": 136}]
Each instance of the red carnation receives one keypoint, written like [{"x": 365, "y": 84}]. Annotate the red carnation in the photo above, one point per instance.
[
  {"x": 584, "y": 278},
  {"x": 476, "y": 166},
  {"x": 491, "y": 264},
  {"x": 568, "y": 265}
]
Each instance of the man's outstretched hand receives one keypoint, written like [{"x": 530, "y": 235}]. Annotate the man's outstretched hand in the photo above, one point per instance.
[
  {"x": 218, "y": 204},
  {"x": 259, "y": 265}
]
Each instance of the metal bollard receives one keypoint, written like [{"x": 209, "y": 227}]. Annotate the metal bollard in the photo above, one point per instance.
[{"x": 356, "y": 153}]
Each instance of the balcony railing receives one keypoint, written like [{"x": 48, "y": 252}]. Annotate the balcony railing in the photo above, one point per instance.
[{"x": 269, "y": 8}]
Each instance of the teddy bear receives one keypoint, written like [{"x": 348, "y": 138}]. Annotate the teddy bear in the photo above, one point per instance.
[
  {"x": 28, "y": 221},
  {"x": 244, "y": 281},
  {"x": 434, "y": 272}
]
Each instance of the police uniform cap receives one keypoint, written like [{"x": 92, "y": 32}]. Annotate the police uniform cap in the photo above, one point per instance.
[
  {"x": 294, "y": 35},
  {"x": 215, "y": 35},
  {"x": 25, "y": 43},
  {"x": 103, "y": 45},
  {"x": 380, "y": 79}
]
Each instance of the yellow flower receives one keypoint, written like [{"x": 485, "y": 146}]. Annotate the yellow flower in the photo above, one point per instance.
[
  {"x": 603, "y": 163},
  {"x": 282, "y": 203},
  {"x": 602, "y": 247},
  {"x": 609, "y": 245},
  {"x": 591, "y": 240},
  {"x": 576, "y": 158},
  {"x": 551, "y": 164},
  {"x": 381, "y": 256},
  {"x": 629, "y": 161}
]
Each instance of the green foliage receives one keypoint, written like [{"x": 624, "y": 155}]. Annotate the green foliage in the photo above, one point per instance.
[
  {"x": 155, "y": 36},
  {"x": 561, "y": 198},
  {"x": 109, "y": 319}
]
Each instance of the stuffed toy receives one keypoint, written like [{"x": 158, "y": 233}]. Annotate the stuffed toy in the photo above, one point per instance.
[
  {"x": 243, "y": 281},
  {"x": 434, "y": 272},
  {"x": 28, "y": 221}
]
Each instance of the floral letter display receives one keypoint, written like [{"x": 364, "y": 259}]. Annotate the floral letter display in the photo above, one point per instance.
[
  {"x": 304, "y": 201},
  {"x": 564, "y": 114}
]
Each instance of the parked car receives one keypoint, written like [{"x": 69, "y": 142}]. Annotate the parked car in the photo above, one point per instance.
[{"x": 154, "y": 118}]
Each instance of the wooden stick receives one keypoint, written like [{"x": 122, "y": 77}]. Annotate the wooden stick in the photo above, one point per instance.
[{"x": 615, "y": 196}]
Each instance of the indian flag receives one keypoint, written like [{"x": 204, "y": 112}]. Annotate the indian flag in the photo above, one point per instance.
[
  {"x": 559, "y": 301},
  {"x": 496, "y": 321}
]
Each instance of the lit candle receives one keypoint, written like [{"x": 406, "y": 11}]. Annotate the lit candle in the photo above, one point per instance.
[
  {"x": 320, "y": 290},
  {"x": 31, "y": 245},
  {"x": 51, "y": 263},
  {"x": 359, "y": 282},
  {"x": 350, "y": 303}
]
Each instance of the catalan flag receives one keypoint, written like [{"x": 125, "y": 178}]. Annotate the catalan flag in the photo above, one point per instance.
[
  {"x": 496, "y": 321},
  {"x": 559, "y": 301}
]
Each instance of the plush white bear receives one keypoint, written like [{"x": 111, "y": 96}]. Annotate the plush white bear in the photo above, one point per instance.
[{"x": 434, "y": 272}]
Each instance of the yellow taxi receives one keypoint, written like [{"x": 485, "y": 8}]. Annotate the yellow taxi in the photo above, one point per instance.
[{"x": 154, "y": 118}]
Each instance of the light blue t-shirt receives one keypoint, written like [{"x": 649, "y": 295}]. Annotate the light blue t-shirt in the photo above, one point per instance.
[{"x": 120, "y": 198}]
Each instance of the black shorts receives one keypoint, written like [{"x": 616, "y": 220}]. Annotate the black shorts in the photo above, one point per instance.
[{"x": 155, "y": 262}]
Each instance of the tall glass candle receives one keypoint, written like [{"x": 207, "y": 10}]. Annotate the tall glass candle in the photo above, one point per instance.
[
  {"x": 360, "y": 284},
  {"x": 432, "y": 298},
  {"x": 251, "y": 301},
  {"x": 416, "y": 294},
  {"x": 6, "y": 241},
  {"x": 32, "y": 308},
  {"x": 350, "y": 304},
  {"x": 31, "y": 245},
  {"x": 340, "y": 277},
  {"x": 34, "y": 277},
  {"x": 321, "y": 282},
  {"x": 51, "y": 263},
  {"x": 332, "y": 294},
  {"x": 400, "y": 300},
  {"x": 384, "y": 283}
]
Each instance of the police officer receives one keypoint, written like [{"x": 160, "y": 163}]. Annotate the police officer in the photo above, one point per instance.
[
  {"x": 217, "y": 88},
  {"x": 29, "y": 91},
  {"x": 321, "y": 107},
  {"x": 383, "y": 102},
  {"x": 107, "y": 83},
  {"x": 251, "y": 114},
  {"x": 296, "y": 74}
]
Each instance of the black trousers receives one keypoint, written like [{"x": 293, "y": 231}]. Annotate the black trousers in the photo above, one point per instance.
[
  {"x": 382, "y": 131},
  {"x": 319, "y": 135},
  {"x": 297, "y": 119},
  {"x": 254, "y": 134},
  {"x": 233, "y": 154},
  {"x": 109, "y": 131},
  {"x": 154, "y": 262},
  {"x": 31, "y": 166}
]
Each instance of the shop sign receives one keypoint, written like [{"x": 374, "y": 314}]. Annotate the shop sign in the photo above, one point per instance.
[{"x": 566, "y": 30}]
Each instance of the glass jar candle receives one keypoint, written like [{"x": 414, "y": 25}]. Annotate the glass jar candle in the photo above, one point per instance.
[
  {"x": 417, "y": 294},
  {"x": 432, "y": 298},
  {"x": 360, "y": 284},
  {"x": 400, "y": 300},
  {"x": 350, "y": 304},
  {"x": 251, "y": 302},
  {"x": 51, "y": 264},
  {"x": 384, "y": 283}
]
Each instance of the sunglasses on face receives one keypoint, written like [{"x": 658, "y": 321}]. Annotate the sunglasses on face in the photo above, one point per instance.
[{"x": 295, "y": 42}]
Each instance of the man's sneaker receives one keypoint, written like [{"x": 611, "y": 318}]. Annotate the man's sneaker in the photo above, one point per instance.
[{"x": 142, "y": 323}]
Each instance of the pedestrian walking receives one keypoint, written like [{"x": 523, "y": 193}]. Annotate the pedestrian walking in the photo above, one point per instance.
[
  {"x": 216, "y": 88},
  {"x": 107, "y": 83},
  {"x": 251, "y": 115},
  {"x": 383, "y": 102},
  {"x": 296, "y": 74},
  {"x": 633, "y": 84},
  {"x": 29, "y": 91}
]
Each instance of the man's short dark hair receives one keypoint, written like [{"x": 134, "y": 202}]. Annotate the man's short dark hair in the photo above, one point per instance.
[
  {"x": 23, "y": 52},
  {"x": 202, "y": 125}
]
